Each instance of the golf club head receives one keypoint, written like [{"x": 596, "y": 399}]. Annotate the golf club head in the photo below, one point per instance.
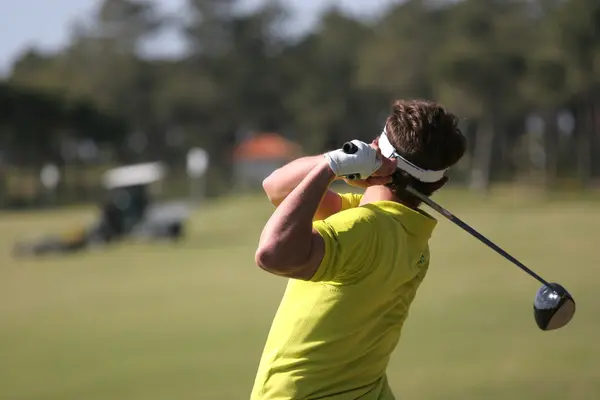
[{"x": 553, "y": 308}]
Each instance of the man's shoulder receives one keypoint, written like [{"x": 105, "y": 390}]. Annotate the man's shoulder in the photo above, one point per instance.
[
  {"x": 357, "y": 222},
  {"x": 355, "y": 215}
]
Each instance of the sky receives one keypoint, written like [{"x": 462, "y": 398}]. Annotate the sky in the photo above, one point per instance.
[{"x": 46, "y": 24}]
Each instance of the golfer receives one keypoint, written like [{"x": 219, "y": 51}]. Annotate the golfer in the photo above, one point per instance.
[{"x": 354, "y": 262}]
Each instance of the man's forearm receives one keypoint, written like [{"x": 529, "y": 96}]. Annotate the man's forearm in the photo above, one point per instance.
[
  {"x": 287, "y": 237},
  {"x": 285, "y": 179}
]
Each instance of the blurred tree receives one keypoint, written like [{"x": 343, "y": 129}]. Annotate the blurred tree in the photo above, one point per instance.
[
  {"x": 102, "y": 63},
  {"x": 35, "y": 69},
  {"x": 578, "y": 24},
  {"x": 35, "y": 123},
  {"x": 396, "y": 61},
  {"x": 122, "y": 26},
  {"x": 545, "y": 86},
  {"x": 326, "y": 104},
  {"x": 492, "y": 62},
  {"x": 126, "y": 23},
  {"x": 208, "y": 26},
  {"x": 479, "y": 71},
  {"x": 232, "y": 75}
]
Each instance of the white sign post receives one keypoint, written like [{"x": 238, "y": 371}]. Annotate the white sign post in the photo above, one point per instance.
[
  {"x": 197, "y": 165},
  {"x": 50, "y": 178}
]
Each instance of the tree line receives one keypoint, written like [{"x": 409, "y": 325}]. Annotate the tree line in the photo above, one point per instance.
[{"x": 523, "y": 75}]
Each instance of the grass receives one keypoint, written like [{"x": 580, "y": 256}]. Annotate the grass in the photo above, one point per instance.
[{"x": 158, "y": 321}]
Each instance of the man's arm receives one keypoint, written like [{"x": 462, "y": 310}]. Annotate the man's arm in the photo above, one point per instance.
[
  {"x": 284, "y": 180},
  {"x": 289, "y": 246}
]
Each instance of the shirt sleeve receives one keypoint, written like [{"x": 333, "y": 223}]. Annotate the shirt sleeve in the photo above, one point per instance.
[
  {"x": 349, "y": 246},
  {"x": 350, "y": 200}
]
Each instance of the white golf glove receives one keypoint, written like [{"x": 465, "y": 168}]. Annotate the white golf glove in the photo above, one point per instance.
[{"x": 356, "y": 160}]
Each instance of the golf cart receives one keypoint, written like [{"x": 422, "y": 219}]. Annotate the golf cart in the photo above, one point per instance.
[{"x": 127, "y": 212}]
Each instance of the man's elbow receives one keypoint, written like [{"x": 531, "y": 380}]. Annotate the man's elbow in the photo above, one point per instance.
[
  {"x": 272, "y": 190},
  {"x": 267, "y": 258},
  {"x": 272, "y": 260}
]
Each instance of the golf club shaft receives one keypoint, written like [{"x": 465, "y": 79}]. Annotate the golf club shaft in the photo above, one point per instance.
[
  {"x": 350, "y": 148},
  {"x": 474, "y": 233}
]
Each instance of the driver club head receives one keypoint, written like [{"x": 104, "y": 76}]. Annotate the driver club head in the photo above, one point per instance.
[{"x": 553, "y": 307}]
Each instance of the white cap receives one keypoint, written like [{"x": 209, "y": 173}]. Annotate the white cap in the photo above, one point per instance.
[{"x": 423, "y": 175}]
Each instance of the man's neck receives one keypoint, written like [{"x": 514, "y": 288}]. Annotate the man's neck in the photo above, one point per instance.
[{"x": 381, "y": 193}]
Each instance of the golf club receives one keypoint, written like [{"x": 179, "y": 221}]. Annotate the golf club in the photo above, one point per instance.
[{"x": 553, "y": 306}]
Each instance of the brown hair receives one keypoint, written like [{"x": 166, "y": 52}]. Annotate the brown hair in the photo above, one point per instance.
[{"x": 427, "y": 135}]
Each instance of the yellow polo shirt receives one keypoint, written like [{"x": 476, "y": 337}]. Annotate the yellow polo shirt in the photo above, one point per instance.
[{"x": 332, "y": 336}]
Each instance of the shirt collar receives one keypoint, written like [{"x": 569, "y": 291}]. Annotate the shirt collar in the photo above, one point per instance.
[{"x": 416, "y": 222}]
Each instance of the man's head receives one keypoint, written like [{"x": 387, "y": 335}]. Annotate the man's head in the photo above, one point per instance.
[{"x": 426, "y": 135}]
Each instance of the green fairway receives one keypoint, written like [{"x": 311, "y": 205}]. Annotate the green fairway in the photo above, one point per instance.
[{"x": 188, "y": 321}]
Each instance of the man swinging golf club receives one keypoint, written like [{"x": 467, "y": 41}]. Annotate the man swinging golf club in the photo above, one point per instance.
[{"x": 354, "y": 262}]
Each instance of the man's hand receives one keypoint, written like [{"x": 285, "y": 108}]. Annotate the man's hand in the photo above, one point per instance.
[
  {"x": 382, "y": 176},
  {"x": 360, "y": 162}
]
